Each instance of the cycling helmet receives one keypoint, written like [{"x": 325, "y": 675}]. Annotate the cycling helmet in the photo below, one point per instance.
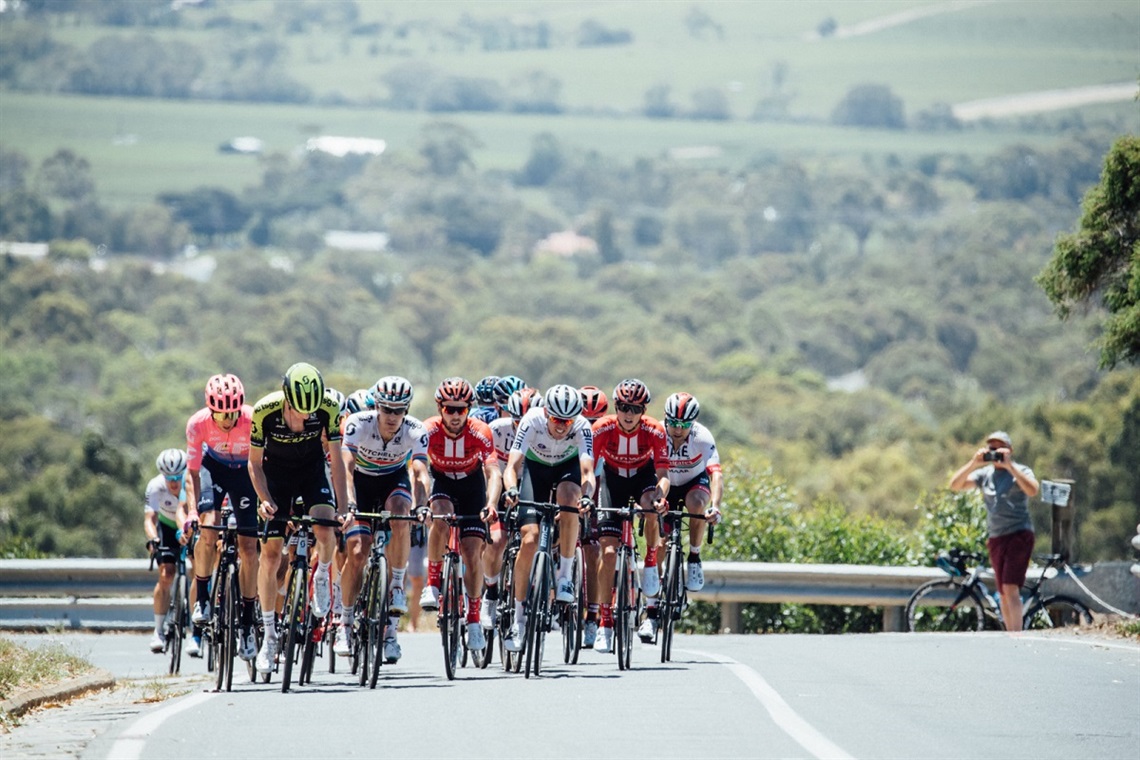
[
  {"x": 393, "y": 391},
  {"x": 563, "y": 402},
  {"x": 632, "y": 392},
  {"x": 224, "y": 393},
  {"x": 304, "y": 387},
  {"x": 171, "y": 462},
  {"x": 359, "y": 400},
  {"x": 507, "y": 385},
  {"x": 454, "y": 390},
  {"x": 682, "y": 407},
  {"x": 522, "y": 401},
  {"x": 338, "y": 397},
  {"x": 594, "y": 402},
  {"x": 485, "y": 390}
]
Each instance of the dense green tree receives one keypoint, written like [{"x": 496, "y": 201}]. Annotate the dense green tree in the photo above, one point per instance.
[
  {"x": 870, "y": 105},
  {"x": 25, "y": 216}
]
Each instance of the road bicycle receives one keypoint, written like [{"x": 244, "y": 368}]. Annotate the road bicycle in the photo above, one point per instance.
[
  {"x": 298, "y": 623},
  {"x": 538, "y": 606},
  {"x": 505, "y": 606},
  {"x": 570, "y": 616},
  {"x": 963, "y": 602},
  {"x": 222, "y": 630},
  {"x": 674, "y": 594},
  {"x": 452, "y": 614},
  {"x": 628, "y": 601},
  {"x": 177, "y": 618}
]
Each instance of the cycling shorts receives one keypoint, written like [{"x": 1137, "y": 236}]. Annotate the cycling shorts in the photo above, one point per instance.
[
  {"x": 235, "y": 482},
  {"x": 467, "y": 495},
  {"x": 681, "y": 493},
  {"x": 622, "y": 491},
  {"x": 295, "y": 491},
  {"x": 168, "y": 547},
  {"x": 542, "y": 480},
  {"x": 373, "y": 492}
]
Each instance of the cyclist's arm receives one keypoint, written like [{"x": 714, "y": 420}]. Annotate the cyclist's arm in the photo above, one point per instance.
[
  {"x": 258, "y": 480},
  {"x": 513, "y": 470},
  {"x": 421, "y": 481},
  {"x": 193, "y": 491},
  {"x": 338, "y": 477},
  {"x": 347, "y": 465},
  {"x": 150, "y": 525},
  {"x": 589, "y": 482},
  {"x": 494, "y": 483},
  {"x": 662, "y": 491},
  {"x": 716, "y": 487}
]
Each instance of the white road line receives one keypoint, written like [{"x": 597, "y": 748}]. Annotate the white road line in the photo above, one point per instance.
[
  {"x": 130, "y": 744},
  {"x": 780, "y": 711}
]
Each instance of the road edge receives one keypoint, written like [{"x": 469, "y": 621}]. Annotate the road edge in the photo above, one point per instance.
[{"x": 27, "y": 699}]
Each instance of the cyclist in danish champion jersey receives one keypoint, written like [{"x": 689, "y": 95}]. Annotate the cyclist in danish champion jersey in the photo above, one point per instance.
[
  {"x": 503, "y": 433},
  {"x": 465, "y": 482},
  {"x": 595, "y": 405},
  {"x": 217, "y": 439},
  {"x": 694, "y": 475},
  {"x": 287, "y": 464},
  {"x": 554, "y": 445},
  {"x": 164, "y": 511},
  {"x": 384, "y": 454},
  {"x": 486, "y": 409}
]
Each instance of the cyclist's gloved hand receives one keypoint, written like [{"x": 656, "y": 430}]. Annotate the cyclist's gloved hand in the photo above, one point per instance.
[
  {"x": 152, "y": 545},
  {"x": 712, "y": 515},
  {"x": 512, "y": 495},
  {"x": 489, "y": 515},
  {"x": 423, "y": 513},
  {"x": 585, "y": 504},
  {"x": 190, "y": 525}
]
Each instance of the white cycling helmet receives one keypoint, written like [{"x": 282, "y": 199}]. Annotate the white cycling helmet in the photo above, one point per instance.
[
  {"x": 171, "y": 462},
  {"x": 563, "y": 402},
  {"x": 682, "y": 407},
  {"x": 392, "y": 391}
]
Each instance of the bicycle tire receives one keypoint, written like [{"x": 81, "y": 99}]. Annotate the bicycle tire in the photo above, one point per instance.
[
  {"x": 213, "y": 633},
  {"x": 568, "y": 614},
  {"x": 362, "y": 643},
  {"x": 625, "y": 619},
  {"x": 232, "y": 627},
  {"x": 538, "y": 596},
  {"x": 1055, "y": 611},
  {"x": 294, "y": 609},
  {"x": 958, "y": 608},
  {"x": 506, "y": 607},
  {"x": 178, "y": 601},
  {"x": 449, "y": 616},
  {"x": 308, "y": 649},
  {"x": 583, "y": 602},
  {"x": 380, "y": 621},
  {"x": 669, "y": 607},
  {"x": 259, "y": 637}
]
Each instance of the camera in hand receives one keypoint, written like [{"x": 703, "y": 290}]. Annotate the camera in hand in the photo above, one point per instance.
[{"x": 993, "y": 456}]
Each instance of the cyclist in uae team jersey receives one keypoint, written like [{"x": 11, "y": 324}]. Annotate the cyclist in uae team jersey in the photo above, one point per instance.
[
  {"x": 164, "y": 511},
  {"x": 631, "y": 446},
  {"x": 503, "y": 433},
  {"x": 465, "y": 482},
  {"x": 555, "y": 445},
  {"x": 217, "y": 440},
  {"x": 594, "y": 407},
  {"x": 384, "y": 454},
  {"x": 694, "y": 475},
  {"x": 287, "y": 464}
]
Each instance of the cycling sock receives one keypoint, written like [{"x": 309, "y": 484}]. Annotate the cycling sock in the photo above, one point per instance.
[
  {"x": 491, "y": 588},
  {"x": 203, "y": 589},
  {"x": 196, "y": 631},
  {"x": 694, "y": 550},
  {"x": 393, "y": 625},
  {"x": 607, "y": 615},
  {"x": 651, "y": 557},
  {"x": 592, "y": 611},
  {"x": 323, "y": 567},
  {"x": 158, "y": 621},
  {"x": 473, "y": 605},
  {"x": 694, "y": 558},
  {"x": 398, "y": 574},
  {"x": 270, "y": 625},
  {"x": 348, "y": 617},
  {"x": 651, "y": 612},
  {"x": 519, "y": 613},
  {"x": 565, "y": 567},
  {"x": 435, "y": 573},
  {"x": 651, "y": 604},
  {"x": 246, "y": 614}
]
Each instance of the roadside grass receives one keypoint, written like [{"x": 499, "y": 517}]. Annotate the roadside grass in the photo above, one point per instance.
[
  {"x": 1129, "y": 628},
  {"x": 23, "y": 667}
]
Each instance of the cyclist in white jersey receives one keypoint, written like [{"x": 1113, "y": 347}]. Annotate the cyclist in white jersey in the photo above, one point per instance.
[
  {"x": 384, "y": 452},
  {"x": 556, "y": 445},
  {"x": 164, "y": 512},
  {"x": 694, "y": 474}
]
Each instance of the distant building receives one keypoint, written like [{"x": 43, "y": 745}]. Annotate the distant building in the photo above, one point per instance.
[
  {"x": 248, "y": 145},
  {"x": 566, "y": 243},
  {"x": 26, "y": 250},
  {"x": 343, "y": 146},
  {"x": 345, "y": 240}
]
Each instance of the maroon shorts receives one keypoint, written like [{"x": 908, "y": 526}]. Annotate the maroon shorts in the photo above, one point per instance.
[{"x": 1009, "y": 556}]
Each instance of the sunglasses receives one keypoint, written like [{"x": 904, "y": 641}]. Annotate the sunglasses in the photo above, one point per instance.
[
  {"x": 561, "y": 420},
  {"x": 630, "y": 408},
  {"x": 391, "y": 411},
  {"x": 172, "y": 478},
  {"x": 225, "y": 416},
  {"x": 454, "y": 409},
  {"x": 678, "y": 424}
]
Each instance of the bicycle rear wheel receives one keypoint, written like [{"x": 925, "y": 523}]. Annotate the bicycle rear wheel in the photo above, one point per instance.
[
  {"x": 669, "y": 607},
  {"x": 625, "y": 611},
  {"x": 1057, "y": 611},
  {"x": 379, "y": 621},
  {"x": 537, "y": 602},
  {"x": 944, "y": 605},
  {"x": 450, "y": 621}
]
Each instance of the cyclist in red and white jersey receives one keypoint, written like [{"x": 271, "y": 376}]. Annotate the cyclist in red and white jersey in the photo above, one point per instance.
[
  {"x": 694, "y": 474},
  {"x": 555, "y": 445},
  {"x": 595, "y": 405},
  {"x": 217, "y": 440},
  {"x": 164, "y": 511},
  {"x": 384, "y": 453},
  {"x": 631, "y": 446},
  {"x": 503, "y": 433},
  {"x": 465, "y": 482}
]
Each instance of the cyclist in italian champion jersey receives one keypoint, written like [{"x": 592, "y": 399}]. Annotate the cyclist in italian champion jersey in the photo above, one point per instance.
[
  {"x": 595, "y": 405},
  {"x": 163, "y": 512},
  {"x": 631, "y": 446},
  {"x": 503, "y": 433},
  {"x": 217, "y": 440},
  {"x": 486, "y": 408},
  {"x": 694, "y": 474},
  {"x": 289, "y": 430},
  {"x": 555, "y": 446},
  {"x": 467, "y": 483},
  {"x": 384, "y": 453}
]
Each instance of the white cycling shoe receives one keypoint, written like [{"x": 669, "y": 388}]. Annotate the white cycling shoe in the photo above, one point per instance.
[
  {"x": 343, "y": 644},
  {"x": 513, "y": 641},
  {"x": 429, "y": 599},
  {"x": 267, "y": 656},
  {"x": 392, "y": 651},
  {"x": 157, "y": 643},
  {"x": 476, "y": 641},
  {"x": 565, "y": 591},
  {"x": 605, "y": 641},
  {"x": 695, "y": 578},
  {"x": 399, "y": 602},
  {"x": 647, "y": 631},
  {"x": 589, "y": 634},
  {"x": 322, "y": 593},
  {"x": 650, "y": 581}
]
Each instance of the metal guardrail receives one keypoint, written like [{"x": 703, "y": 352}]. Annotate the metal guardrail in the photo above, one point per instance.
[{"x": 116, "y": 593}]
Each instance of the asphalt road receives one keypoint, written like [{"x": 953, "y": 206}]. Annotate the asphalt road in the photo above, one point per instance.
[{"x": 869, "y": 696}]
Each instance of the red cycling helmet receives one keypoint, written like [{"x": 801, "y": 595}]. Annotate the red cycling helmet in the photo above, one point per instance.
[
  {"x": 224, "y": 393},
  {"x": 594, "y": 402},
  {"x": 454, "y": 390},
  {"x": 522, "y": 401},
  {"x": 632, "y": 392}
]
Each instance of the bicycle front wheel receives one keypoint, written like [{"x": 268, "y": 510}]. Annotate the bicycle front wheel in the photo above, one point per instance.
[
  {"x": 1058, "y": 611},
  {"x": 506, "y": 616},
  {"x": 537, "y": 600},
  {"x": 230, "y": 627},
  {"x": 379, "y": 618},
  {"x": 625, "y": 611},
  {"x": 570, "y": 615},
  {"x": 671, "y": 600},
  {"x": 944, "y": 605},
  {"x": 178, "y": 615},
  {"x": 293, "y": 619},
  {"x": 450, "y": 619}
]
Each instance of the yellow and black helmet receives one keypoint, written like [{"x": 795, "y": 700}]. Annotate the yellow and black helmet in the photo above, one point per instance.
[{"x": 304, "y": 387}]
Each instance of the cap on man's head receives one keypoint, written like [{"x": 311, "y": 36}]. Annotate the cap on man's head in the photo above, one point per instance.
[{"x": 1000, "y": 435}]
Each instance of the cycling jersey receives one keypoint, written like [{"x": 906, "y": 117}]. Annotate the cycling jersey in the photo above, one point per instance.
[
  {"x": 159, "y": 499},
  {"x": 285, "y": 447},
  {"x": 626, "y": 453},
  {"x": 534, "y": 440},
  {"x": 205, "y": 438},
  {"x": 503, "y": 433},
  {"x": 375, "y": 456},
  {"x": 486, "y": 414},
  {"x": 458, "y": 457},
  {"x": 695, "y": 454}
]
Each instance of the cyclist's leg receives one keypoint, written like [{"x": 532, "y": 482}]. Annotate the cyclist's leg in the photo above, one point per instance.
[
  {"x": 206, "y": 552},
  {"x": 417, "y": 568},
  {"x": 167, "y": 555},
  {"x": 441, "y": 504}
]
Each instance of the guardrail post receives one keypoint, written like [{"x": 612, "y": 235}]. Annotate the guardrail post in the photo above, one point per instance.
[
  {"x": 894, "y": 621},
  {"x": 731, "y": 619}
]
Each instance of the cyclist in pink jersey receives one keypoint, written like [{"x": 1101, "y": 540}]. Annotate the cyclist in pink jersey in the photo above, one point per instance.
[{"x": 217, "y": 439}]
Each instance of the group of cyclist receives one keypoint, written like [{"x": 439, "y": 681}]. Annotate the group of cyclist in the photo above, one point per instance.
[{"x": 307, "y": 449}]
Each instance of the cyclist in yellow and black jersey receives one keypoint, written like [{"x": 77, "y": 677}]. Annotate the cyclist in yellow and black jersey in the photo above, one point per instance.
[{"x": 287, "y": 462}]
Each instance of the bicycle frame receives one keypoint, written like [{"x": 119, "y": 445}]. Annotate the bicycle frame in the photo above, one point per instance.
[
  {"x": 627, "y": 598},
  {"x": 222, "y": 630},
  {"x": 674, "y": 596},
  {"x": 539, "y": 612}
]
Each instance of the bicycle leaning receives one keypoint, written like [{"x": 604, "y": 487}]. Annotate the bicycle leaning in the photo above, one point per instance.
[
  {"x": 963, "y": 602},
  {"x": 674, "y": 594}
]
